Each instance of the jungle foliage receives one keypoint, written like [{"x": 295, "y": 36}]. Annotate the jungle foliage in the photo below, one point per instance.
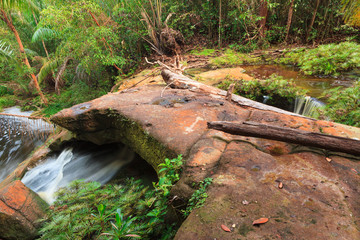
[
  {"x": 73, "y": 43},
  {"x": 344, "y": 105},
  {"x": 274, "y": 91},
  {"x": 329, "y": 59},
  {"x": 127, "y": 210}
]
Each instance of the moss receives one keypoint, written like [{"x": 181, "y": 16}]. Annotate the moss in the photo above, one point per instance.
[
  {"x": 119, "y": 128},
  {"x": 203, "y": 52}
]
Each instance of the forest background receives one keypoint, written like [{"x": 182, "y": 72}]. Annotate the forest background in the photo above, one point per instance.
[{"x": 57, "y": 53}]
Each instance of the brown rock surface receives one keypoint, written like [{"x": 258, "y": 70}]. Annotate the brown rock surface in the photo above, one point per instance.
[
  {"x": 319, "y": 199},
  {"x": 20, "y": 208}
]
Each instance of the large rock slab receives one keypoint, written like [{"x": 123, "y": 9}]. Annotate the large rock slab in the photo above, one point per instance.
[{"x": 319, "y": 198}]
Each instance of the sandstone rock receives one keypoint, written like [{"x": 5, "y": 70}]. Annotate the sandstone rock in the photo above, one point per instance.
[
  {"x": 20, "y": 208},
  {"x": 318, "y": 200}
]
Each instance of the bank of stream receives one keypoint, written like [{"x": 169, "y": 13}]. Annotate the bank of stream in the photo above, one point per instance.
[{"x": 315, "y": 85}]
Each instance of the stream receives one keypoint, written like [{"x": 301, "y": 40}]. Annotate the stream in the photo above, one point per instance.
[
  {"x": 19, "y": 136},
  {"x": 82, "y": 160}
]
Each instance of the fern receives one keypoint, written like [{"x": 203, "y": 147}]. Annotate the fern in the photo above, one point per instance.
[
  {"x": 47, "y": 68},
  {"x": 5, "y": 49},
  {"x": 44, "y": 34}
]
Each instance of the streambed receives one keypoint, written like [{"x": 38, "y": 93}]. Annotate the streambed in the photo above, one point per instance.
[{"x": 315, "y": 85}]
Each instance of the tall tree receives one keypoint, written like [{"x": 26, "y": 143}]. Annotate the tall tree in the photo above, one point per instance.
[
  {"x": 5, "y": 7},
  {"x": 263, "y": 13},
  {"x": 312, "y": 19},
  {"x": 290, "y": 14}
]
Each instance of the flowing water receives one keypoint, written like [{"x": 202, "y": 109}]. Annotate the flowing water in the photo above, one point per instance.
[
  {"x": 19, "y": 136},
  {"x": 89, "y": 162}
]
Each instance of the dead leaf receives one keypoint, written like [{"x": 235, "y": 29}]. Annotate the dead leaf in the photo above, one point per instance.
[
  {"x": 281, "y": 185},
  {"x": 328, "y": 159},
  {"x": 225, "y": 228},
  {"x": 245, "y": 202},
  {"x": 260, "y": 221}
]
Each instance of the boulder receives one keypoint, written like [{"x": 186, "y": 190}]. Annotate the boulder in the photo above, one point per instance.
[
  {"x": 318, "y": 198},
  {"x": 20, "y": 208}
]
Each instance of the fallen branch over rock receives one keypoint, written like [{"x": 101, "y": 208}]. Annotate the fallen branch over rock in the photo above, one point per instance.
[
  {"x": 290, "y": 135},
  {"x": 180, "y": 81}
]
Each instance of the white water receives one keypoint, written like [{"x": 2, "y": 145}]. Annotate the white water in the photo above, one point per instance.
[
  {"x": 59, "y": 171},
  {"x": 19, "y": 136},
  {"x": 307, "y": 106}
]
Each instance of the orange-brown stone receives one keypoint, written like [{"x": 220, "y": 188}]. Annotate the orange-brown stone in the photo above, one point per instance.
[{"x": 319, "y": 199}]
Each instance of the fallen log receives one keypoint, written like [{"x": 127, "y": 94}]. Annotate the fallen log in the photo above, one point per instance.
[
  {"x": 290, "y": 135},
  {"x": 179, "y": 81}
]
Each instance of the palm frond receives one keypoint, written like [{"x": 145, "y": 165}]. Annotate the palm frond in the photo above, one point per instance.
[
  {"x": 5, "y": 49},
  {"x": 351, "y": 9},
  {"x": 31, "y": 53},
  {"x": 47, "y": 68},
  {"x": 44, "y": 34}
]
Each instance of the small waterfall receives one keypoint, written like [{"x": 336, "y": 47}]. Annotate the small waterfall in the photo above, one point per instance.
[
  {"x": 58, "y": 171},
  {"x": 307, "y": 106},
  {"x": 19, "y": 136},
  {"x": 266, "y": 98}
]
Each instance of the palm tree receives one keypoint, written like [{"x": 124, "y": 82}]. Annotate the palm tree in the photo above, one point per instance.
[
  {"x": 5, "y": 7},
  {"x": 351, "y": 9}
]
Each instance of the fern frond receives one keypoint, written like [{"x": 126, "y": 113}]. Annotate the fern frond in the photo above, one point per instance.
[
  {"x": 5, "y": 49},
  {"x": 30, "y": 53},
  {"x": 47, "y": 68},
  {"x": 44, "y": 34}
]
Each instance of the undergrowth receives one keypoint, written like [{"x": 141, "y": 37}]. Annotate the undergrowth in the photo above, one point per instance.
[
  {"x": 329, "y": 59},
  {"x": 198, "y": 198},
  {"x": 274, "y": 91},
  {"x": 232, "y": 58},
  {"x": 119, "y": 211},
  {"x": 344, "y": 105},
  {"x": 7, "y": 99}
]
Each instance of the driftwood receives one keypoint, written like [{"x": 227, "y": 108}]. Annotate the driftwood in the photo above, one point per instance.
[
  {"x": 254, "y": 129},
  {"x": 180, "y": 81}
]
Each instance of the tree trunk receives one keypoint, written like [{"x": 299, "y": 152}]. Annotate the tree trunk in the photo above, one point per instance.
[
  {"x": 291, "y": 10},
  {"x": 22, "y": 51},
  {"x": 312, "y": 139},
  {"x": 58, "y": 82},
  {"x": 312, "y": 20},
  {"x": 263, "y": 13}
]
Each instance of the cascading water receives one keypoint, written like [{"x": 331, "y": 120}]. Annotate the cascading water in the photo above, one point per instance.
[
  {"x": 307, "y": 106},
  {"x": 19, "y": 136},
  {"x": 90, "y": 165}
]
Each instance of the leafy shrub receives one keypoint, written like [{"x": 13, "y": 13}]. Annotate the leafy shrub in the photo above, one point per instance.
[
  {"x": 274, "y": 91},
  {"x": 198, "y": 198},
  {"x": 129, "y": 210},
  {"x": 75, "y": 94},
  {"x": 7, "y": 101},
  {"x": 344, "y": 105},
  {"x": 327, "y": 59}
]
